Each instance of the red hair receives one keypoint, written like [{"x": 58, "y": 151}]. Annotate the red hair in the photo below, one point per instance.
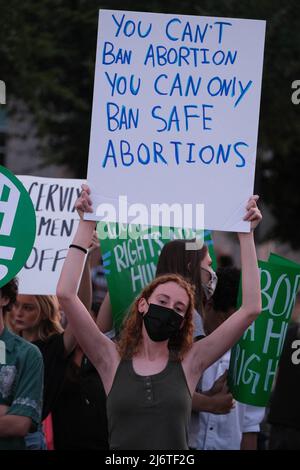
[{"x": 131, "y": 336}]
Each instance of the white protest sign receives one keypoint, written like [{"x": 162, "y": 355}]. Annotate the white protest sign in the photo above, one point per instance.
[
  {"x": 56, "y": 224},
  {"x": 175, "y": 114}
]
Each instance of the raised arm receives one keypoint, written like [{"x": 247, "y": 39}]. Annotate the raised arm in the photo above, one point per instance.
[
  {"x": 208, "y": 350},
  {"x": 84, "y": 294},
  {"x": 100, "y": 350},
  {"x": 85, "y": 287},
  {"x": 104, "y": 317}
]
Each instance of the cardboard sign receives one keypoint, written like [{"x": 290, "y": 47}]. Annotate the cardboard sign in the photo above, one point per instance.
[
  {"x": 175, "y": 116},
  {"x": 57, "y": 220},
  {"x": 255, "y": 358}
]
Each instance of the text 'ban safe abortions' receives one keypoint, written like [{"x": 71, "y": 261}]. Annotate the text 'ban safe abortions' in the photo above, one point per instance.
[{"x": 175, "y": 112}]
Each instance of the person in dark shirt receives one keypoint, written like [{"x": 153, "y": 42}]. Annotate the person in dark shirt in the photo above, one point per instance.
[
  {"x": 284, "y": 414},
  {"x": 79, "y": 415},
  {"x": 38, "y": 319}
]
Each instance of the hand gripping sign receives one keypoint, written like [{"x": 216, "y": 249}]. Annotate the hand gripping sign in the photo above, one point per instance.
[{"x": 17, "y": 225}]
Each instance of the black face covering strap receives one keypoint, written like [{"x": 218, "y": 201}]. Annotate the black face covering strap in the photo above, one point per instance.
[{"x": 161, "y": 323}]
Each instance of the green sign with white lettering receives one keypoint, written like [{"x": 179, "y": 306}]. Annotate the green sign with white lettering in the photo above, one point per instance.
[
  {"x": 254, "y": 359},
  {"x": 17, "y": 225}
]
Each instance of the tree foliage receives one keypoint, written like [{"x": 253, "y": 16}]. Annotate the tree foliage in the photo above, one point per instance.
[{"x": 47, "y": 56}]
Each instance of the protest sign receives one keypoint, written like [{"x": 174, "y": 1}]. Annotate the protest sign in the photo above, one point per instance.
[
  {"x": 57, "y": 220},
  {"x": 175, "y": 118},
  {"x": 17, "y": 225},
  {"x": 254, "y": 359},
  {"x": 130, "y": 264}
]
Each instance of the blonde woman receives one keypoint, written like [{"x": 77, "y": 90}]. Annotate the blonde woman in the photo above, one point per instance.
[{"x": 37, "y": 317}]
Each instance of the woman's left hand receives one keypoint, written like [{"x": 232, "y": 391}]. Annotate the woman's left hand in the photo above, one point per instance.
[
  {"x": 84, "y": 202},
  {"x": 253, "y": 214}
]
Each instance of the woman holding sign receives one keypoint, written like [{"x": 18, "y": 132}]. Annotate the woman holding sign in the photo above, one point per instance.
[{"x": 151, "y": 374}]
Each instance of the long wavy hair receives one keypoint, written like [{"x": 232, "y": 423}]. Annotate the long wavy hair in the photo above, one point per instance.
[
  {"x": 49, "y": 316},
  {"x": 131, "y": 337},
  {"x": 176, "y": 259}
]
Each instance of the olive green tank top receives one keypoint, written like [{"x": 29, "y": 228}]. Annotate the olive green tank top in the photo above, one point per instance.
[{"x": 149, "y": 412}]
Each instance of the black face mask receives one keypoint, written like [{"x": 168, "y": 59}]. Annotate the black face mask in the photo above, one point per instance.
[{"x": 161, "y": 322}]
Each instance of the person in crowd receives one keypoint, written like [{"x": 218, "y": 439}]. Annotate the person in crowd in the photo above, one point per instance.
[
  {"x": 79, "y": 414},
  {"x": 10, "y": 322},
  {"x": 196, "y": 267},
  {"x": 238, "y": 429},
  {"x": 284, "y": 412},
  {"x": 73, "y": 391},
  {"x": 155, "y": 360},
  {"x": 225, "y": 261},
  {"x": 21, "y": 380},
  {"x": 37, "y": 319}
]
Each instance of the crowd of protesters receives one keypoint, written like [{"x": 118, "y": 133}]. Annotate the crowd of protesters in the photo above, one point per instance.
[{"x": 70, "y": 382}]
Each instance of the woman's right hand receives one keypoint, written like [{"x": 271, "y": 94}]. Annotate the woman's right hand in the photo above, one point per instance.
[
  {"x": 222, "y": 403},
  {"x": 84, "y": 202},
  {"x": 218, "y": 384},
  {"x": 253, "y": 213}
]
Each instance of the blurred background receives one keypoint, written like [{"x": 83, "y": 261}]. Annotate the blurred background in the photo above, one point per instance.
[{"x": 47, "y": 56}]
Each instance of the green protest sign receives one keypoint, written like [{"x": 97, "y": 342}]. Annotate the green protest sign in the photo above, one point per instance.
[
  {"x": 17, "y": 225},
  {"x": 276, "y": 259},
  {"x": 254, "y": 359},
  {"x": 130, "y": 263}
]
